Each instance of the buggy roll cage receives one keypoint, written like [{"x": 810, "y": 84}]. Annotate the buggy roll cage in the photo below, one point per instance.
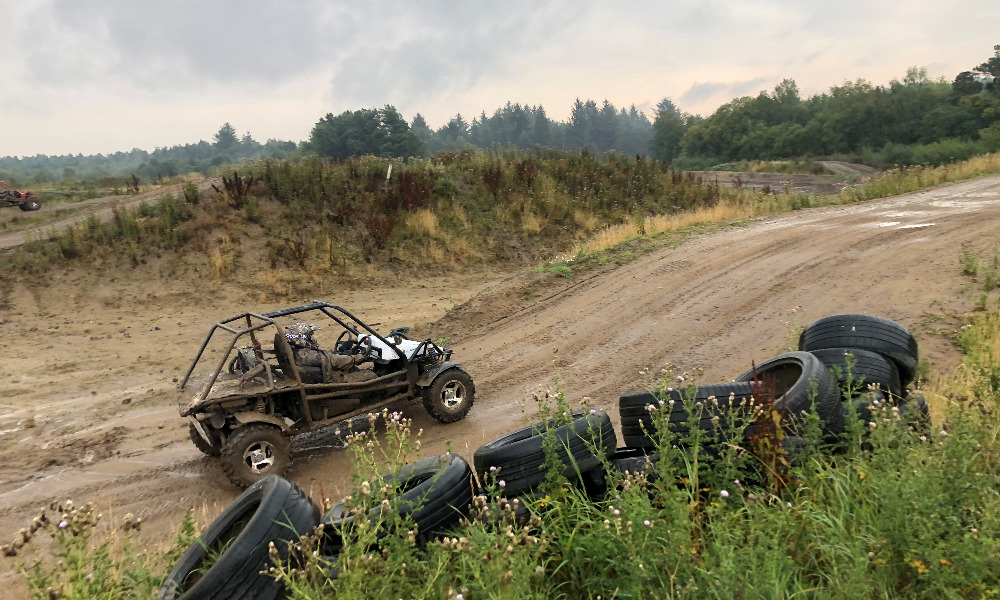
[{"x": 266, "y": 320}]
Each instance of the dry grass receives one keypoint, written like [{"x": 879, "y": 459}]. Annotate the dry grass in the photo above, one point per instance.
[
  {"x": 585, "y": 220},
  {"x": 223, "y": 257},
  {"x": 616, "y": 234},
  {"x": 530, "y": 223},
  {"x": 423, "y": 221}
]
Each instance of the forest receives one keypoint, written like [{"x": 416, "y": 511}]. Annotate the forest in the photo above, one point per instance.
[{"x": 909, "y": 121}]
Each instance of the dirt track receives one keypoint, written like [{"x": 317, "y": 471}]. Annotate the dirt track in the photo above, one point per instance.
[{"x": 112, "y": 434}]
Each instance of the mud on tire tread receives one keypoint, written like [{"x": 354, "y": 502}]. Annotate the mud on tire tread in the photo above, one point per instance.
[
  {"x": 433, "y": 396},
  {"x": 232, "y": 451},
  {"x": 271, "y": 510},
  {"x": 200, "y": 443}
]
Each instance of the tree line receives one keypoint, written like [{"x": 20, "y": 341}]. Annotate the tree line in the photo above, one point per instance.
[{"x": 915, "y": 120}]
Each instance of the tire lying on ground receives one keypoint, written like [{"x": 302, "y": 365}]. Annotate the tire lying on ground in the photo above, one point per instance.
[
  {"x": 435, "y": 493},
  {"x": 634, "y": 461},
  {"x": 519, "y": 456},
  {"x": 271, "y": 510},
  {"x": 790, "y": 379},
  {"x": 864, "y": 332},
  {"x": 913, "y": 412},
  {"x": 639, "y": 430},
  {"x": 869, "y": 369}
]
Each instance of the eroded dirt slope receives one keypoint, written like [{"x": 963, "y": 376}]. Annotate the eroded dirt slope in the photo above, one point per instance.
[{"x": 89, "y": 364}]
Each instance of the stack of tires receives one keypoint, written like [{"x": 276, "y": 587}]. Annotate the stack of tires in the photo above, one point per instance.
[
  {"x": 873, "y": 359},
  {"x": 845, "y": 363}
]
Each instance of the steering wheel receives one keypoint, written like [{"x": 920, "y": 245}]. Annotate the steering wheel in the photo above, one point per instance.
[{"x": 346, "y": 342}]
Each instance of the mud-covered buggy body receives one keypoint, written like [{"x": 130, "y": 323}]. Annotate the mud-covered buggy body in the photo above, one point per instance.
[{"x": 261, "y": 387}]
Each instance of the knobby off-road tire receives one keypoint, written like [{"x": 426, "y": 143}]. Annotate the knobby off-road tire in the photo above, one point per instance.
[
  {"x": 450, "y": 396},
  {"x": 434, "y": 493},
  {"x": 519, "y": 456},
  {"x": 638, "y": 423},
  {"x": 271, "y": 510},
  {"x": 789, "y": 379},
  {"x": 865, "y": 332},
  {"x": 200, "y": 443},
  {"x": 255, "y": 451},
  {"x": 30, "y": 205},
  {"x": 870, "y": 369}
]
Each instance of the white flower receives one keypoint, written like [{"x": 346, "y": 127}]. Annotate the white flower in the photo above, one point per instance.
[
  {"x": 724, "y": 494},
  {"x": 943, "y": 432}
]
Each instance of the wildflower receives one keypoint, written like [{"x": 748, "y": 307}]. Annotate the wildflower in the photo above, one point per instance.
[
  {"x": 63, "y": 524},
  {"x": 923, "y": 438},
  {"x": 91, "y": 576},
  {"x": 724, "y": 494},
  {"x": 680, "y": 378},
  {"x": 670, "y": 389},
  {"x": 502, "y": 483},
  {"x": 661, "y": 402},
  {"x": 593, "y": 411},
  {"x": 943, "y": 432},
  {"x": 642, "y": 372},
  {"x": 459, "y": 597},
  {"x": 651, "y": 407},
  {"x": 492, "y": 468},
  {"x": 336, "y": 432},
  {"x": 789, "y": 504},
  {"x": 646, "y": 523},
  {"x": 616, "y": 512}
]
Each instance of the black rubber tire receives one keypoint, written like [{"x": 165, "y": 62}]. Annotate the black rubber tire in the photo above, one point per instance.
[
  {"x": 450, "y": 385},
  {"x": 271, "y": 444},
  {"x": 200, "y": 443},
  {"x": 792, "y": 375},
  {"x": 865, "y": 332},
  {"x": 870, "y": 368},
  {"x": 639, "y": 431},
  {"x": 519, "y": 456},
  {"x": 915, "y": 413},
  {"x": 634, "y": 461},
  {"x": 271, "y": 510},
  {"x": 30, "y": 205},
  {"x": 436, "y": 493}
]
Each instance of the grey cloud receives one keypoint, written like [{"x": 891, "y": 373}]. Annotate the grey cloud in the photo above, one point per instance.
[
  {"x": 702, "y": 92},
  {"x": 163, "y": 44},
  {"x": 440, "y": 47}
]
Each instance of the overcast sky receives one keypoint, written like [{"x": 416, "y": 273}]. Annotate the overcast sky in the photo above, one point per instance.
[{"x": 99, "y": 76}]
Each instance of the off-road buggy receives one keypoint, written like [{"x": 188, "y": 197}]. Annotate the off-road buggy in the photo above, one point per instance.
[
  {"x": 26, "y": 201},
  {"x": 258, "y": 393}
]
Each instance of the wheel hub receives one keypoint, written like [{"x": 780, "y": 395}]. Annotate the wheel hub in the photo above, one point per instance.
[
  {"x": 453, "y": 394},
  {"x": 259, "y": 456}
]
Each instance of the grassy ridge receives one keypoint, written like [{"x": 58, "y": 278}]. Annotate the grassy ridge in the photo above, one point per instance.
[{"x": 320, "y": 220}]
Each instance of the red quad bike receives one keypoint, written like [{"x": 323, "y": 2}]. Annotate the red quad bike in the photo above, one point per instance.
[
  {"x": 26, "y": 201},
  {"x": 266, "y": 379}
]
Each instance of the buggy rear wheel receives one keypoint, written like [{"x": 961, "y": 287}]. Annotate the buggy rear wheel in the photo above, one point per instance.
[
  {"x": 30, "y": 204},
  {"x": 255, "y": 451},
  {"x": 450, "y": 396}
]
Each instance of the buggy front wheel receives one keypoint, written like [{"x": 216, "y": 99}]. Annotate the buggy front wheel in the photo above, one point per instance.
[
  {"x": 255, "y": 451},
  {"x": 450, "y": 396}
]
